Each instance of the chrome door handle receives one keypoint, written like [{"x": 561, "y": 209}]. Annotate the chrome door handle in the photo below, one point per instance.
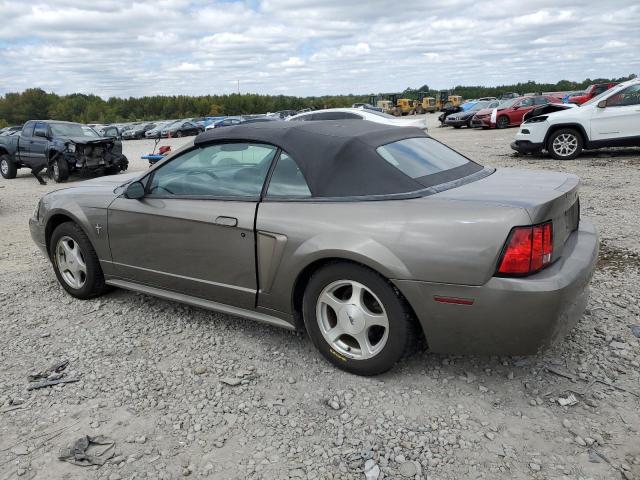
[{"x": 227, "y": 221}]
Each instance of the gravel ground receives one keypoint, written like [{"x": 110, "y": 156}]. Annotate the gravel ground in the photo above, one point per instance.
[{"x": 187, "y": 392}]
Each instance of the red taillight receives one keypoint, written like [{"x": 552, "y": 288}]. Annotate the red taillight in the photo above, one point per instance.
[{"x": 528, "y": 250}]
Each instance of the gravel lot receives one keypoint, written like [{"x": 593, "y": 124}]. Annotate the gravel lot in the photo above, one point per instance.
[{"x": 184, "y": 391}]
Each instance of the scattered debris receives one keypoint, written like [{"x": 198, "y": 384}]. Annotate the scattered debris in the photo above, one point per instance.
[
  {"x": 51, "y": 371},
  {"x": 233, "y": 382},
  {"x": 53, "y": 375},
  {"x": 570, "y": 401},
  {"x": 241, "y": 377},
  {"x": 50, "y": 383},
  {"x": 371, "y": 470},
  {"x": 78, "y": 454}
]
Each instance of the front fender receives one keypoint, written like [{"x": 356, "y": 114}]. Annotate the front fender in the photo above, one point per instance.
[{"x": 92, "y": 220}]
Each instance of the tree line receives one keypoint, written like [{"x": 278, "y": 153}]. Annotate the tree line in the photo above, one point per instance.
[{"x": 35, "y": 103}]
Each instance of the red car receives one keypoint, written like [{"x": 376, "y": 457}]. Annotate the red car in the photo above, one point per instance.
[
  {"x": 510, "y": 112},
  {"x": 591, "y": 91}
]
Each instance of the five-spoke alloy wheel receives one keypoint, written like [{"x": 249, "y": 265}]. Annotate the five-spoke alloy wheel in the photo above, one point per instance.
[
  {"x": 356, "y": 318},
  {"x": 75, "y": 262},
  {"x": 71, "y": 262},
  {"x": 352, "y": 319},
  {"x": 565, "y": 144}
]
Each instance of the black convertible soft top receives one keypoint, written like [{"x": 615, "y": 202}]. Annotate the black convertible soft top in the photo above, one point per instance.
[{"x": 337, "y": 158}]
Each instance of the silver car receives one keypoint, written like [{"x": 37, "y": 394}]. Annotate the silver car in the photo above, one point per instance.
[{"x": 365, "y": 235}]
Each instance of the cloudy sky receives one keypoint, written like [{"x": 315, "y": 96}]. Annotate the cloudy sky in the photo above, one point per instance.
[{"x": 309, "y": 47}]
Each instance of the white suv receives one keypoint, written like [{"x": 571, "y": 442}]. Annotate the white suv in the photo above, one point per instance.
[{"x": 612, "y": 119}]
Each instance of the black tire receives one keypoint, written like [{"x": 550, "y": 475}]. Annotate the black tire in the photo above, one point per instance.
[
  {"x": 457, "y": 126},
  {"x": 8, "y": 169},
  {"x": 178, "y": 134},
  {"x": 112, "y": 170},
  {"x": 94, "y": 279},
  {"x": 572, "y": 136},
  {"x": 402, "y": 332},
  {"x": 502, "y": 122},
  {"x": 60, "y": 170}
]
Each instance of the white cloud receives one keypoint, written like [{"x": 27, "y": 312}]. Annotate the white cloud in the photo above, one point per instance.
[{"x": 307, "y": 47}]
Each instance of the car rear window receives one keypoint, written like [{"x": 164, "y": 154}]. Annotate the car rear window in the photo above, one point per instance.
[{"x": 428, "y": 161}]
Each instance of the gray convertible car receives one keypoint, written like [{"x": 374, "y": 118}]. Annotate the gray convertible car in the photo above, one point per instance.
[{"x": 365, "y": 235}]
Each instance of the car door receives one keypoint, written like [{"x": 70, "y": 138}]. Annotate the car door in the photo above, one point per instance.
[
  {"x": 515, "y": 115},
  {"x": 38, "y": 144},
  {"x": 24, "y": 143},
  {"x": 620, "y": 118},
  {"x": 193, "y": 231}
]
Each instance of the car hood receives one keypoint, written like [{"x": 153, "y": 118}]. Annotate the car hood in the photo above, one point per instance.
[
  {"x": 484, "y": 111},
  {"x": 548, "y": 109},
  {"x": 109, "y": 180}
]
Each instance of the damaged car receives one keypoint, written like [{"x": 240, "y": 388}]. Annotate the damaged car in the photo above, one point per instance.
[
  {"x": 366, "y": 235},
  {"x": 62, "y": 148},
  {"x": 611, "y": 119}
]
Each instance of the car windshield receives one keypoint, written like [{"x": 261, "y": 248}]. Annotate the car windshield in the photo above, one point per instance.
[
  {"x": 427, "y": 160},
  {"x": 72, "y": 130},
  {"x": 508, "y": 103},
  {"x": 479, "y": 106}
]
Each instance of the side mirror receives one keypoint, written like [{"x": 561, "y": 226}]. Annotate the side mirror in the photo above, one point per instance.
[
  {"x": 134, "y": 191},
  {"x": 602, "y": 104}
]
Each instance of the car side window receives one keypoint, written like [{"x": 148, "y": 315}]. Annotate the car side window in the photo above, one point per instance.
[
  {"x": 527, "y": 102},
  {"x": 228, "y": 170},
  {"x": 27, "y": 130},
  {"x": 40, "y": 128},
  {"x": 626, "y": 97},
  {"x": 540, "y": 101},
  {"x": 287, "y": 180}
]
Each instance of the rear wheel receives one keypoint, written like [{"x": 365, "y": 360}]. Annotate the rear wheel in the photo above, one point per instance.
[
  {"x": 565, "y": 144},
  {"x": 503, "y": 122},
  {"x": 75, "y": 262},
  {"x": 179, "y": 133},
  {"x": 356, "y": 319},
  {"x": 8, "y": 169},
  {"x": 60, "y": 170}
]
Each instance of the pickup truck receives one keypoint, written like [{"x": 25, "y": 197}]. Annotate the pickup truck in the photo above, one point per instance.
[{"x": 61, "y": 148}]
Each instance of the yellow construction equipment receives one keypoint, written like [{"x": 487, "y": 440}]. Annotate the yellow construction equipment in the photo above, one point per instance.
[
  {"x": 445, "y": 97},
  {"x": 404, "y": 106},
  {"x": 425, "y": 104}
]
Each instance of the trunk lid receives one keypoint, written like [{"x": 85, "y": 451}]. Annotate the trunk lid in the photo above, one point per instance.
[{"x": 543, "y": 195}]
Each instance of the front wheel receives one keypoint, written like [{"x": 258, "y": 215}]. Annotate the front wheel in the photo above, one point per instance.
[
  {"x": 60, "y": 169},
  {"x": 75, "y": 262},
  {"x": 564, "y": 144},
  {"x": 503, "y": 122},
  {"x": 356, "y": 319},
  {"x": 8, "y": 169}
]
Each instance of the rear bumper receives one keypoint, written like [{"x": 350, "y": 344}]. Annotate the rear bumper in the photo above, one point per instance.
[
  {"x": 526, "y": 146},
  {"x": 509, "y": 316}
]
